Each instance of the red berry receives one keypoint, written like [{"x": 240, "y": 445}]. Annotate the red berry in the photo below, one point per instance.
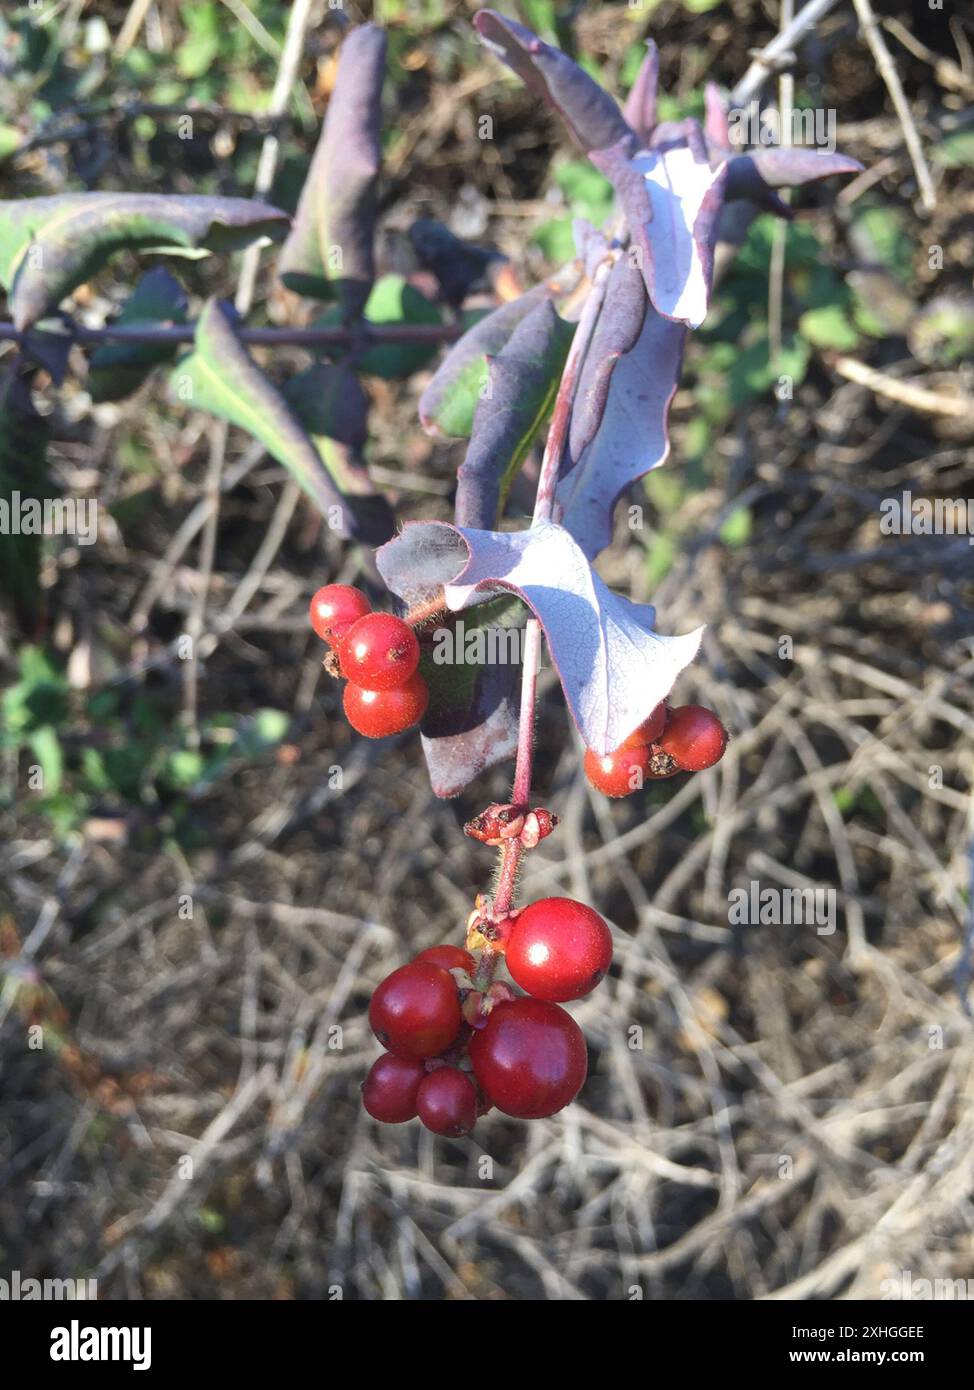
[
  {"x": 649, "y": 730},
  {"x": 558, "y": 949},
  {"x": 695, "y": 737},
  {"x": 376, "y": 713},
  {"x": 530, "y": 1060},
  {"x": 379, "y": 652},
  {"x": 447, "y": 1102},
  {"x": 389, "y": 1090},
  {"x": 449, "y": 957},
  {"x": 334, "y": 609},
  {"x": 415, "y": 1012},
  {"x": 618, "y": 773}
]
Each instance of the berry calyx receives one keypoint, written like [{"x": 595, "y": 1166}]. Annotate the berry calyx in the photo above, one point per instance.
[
  {"x": 530, "y": 1059},
  {"x": 379, "y": 652},
  {"x": 389, "y": 1090},
  {"x": 378, "y": 713},
  {"x": 334, "y": 609},
  {"x": 649, "y": 730},
  {"x": 558, "y": 949},
  {"x": 694, "y": 737},
  {"x": 618, "y": 773},
  {"x": 415, "y": 1012},
  {"x": 447, "y": 1102},
  {"x": 449, "y": 957}
]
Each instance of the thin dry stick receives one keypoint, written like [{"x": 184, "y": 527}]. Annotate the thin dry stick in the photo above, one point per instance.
[
  {"x": 779, "y": 52},
  {"x": 887, "y": 68},
  {"x": 915, "y": 397},
  {"x": 776, "y": 270},
  {"x": 286, "y": 76}
]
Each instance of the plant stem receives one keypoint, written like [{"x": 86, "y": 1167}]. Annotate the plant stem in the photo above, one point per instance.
[
  {"x": 269, "y": 337},
  {"x": 511, "y": 852}
]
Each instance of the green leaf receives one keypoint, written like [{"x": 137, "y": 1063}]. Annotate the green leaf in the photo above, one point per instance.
[
  {"x": 117, "y": 369},
  {"x": 47, "y": 750},
  {"x": 660, "y": 559},
  {"x": 753, "y": 374},
  {"x": 49, "y": 246},
  {"x": 828, "y": 327},
  {"x": 220, "y": 376},
  {"x": 736, "y": 530},
  {"x": 879, "y": 234},
  {"x": 956, "y": 151},
  {"x": 393, "y": 301}
]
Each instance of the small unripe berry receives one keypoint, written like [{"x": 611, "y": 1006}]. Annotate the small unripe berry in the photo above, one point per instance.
[
  {"x": 447, "y": 1102},
  {"x": 618, "y": 773},
  {"x": 389, "y": 1090},
  {"x": 378, "y": 713},
  {"x": 694, "y": 737},
  {"x": 334, "y": 609},
  {"x": 415, "y": 1012},
  {"x": 379, "y": 652},
  {"x": 558, "y": 949}
]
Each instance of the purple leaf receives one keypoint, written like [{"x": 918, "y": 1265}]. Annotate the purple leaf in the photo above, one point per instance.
[
  {"x": 715, "y": 126},
  {"x": 671, "y": 198},
  {"x": 446, "y": 407},
  {"x": 613, "y": 666},
  {"x": 459, "y": 266},
  {"x": 633, "y": 437},
  {"x": 49, "y": 246},
  {"x": 784, "y": 167},
  {"x": 523, "y": 380},
  {"x": 592, "y": 116},
  {"x": 640, "y": 107},
  {"x": 488, "y": 735},
  {"x": 332, "y": 242},
  {"x": 117, "y": 369},
  {"x": 618, "y": 328}
]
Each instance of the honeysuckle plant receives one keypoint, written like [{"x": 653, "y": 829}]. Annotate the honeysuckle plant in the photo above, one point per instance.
[{"x": 588, "y": 360}]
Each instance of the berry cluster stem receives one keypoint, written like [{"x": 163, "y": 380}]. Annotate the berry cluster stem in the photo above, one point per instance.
[{"x": 513, "y": 850}]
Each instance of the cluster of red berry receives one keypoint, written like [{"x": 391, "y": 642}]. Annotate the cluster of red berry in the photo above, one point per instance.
[
  {"x": 688, "y": 738},
  {"x": 378, "y": 655},
  {"x": 454, "y": 1051}
]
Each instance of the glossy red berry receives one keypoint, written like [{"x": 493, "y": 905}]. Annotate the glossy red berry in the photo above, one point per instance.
[
  {"x": 618, "y": 773},
  {"x": 449, "y": 957},
  {"x": 649, "y": 730},
  {"x": 334, "y": 609},
  {"x": 558, "y": 949},
  {"x": 447, "y": 1102},
  {"x": 530, "y": 1060},
  {"x": 379, "y": 652},
  {"x": 378, "y": 713},
  {"x": 415, "y": 1012},
  {"x": 389, "y": 1090},
  {"x": 694, "y": 737}
]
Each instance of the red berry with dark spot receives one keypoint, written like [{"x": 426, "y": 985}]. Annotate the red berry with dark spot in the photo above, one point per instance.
[
  {"x": 447, "y": 1102},
  {"x": 558, "y": 949},
  {"x": 415, "y": 1012},
  {"x": 649, "y": 730},
  {"x": 334, "y": 609},
  {"x": 530, "y": 1060},
  {"x": 389, "y": 1090},
  {"x": 378, "y": 713},
  {"x": 449, "y": 957},
  {"x": 618, "y": 773},
  {"x": 379, "y": 652},
  {"x": 694, "y": 737}
]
